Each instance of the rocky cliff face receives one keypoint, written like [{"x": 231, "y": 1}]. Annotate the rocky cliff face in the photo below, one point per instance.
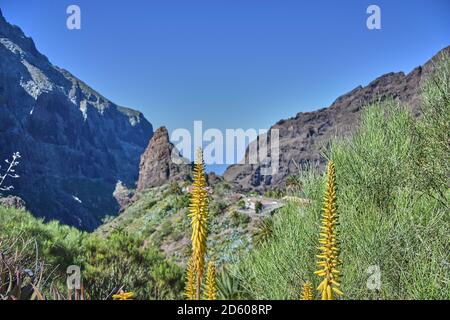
[
  {"x": 157, "y": 166},
  {"x": 304, "y": 136},
  {"x": 75, "y": 144}
]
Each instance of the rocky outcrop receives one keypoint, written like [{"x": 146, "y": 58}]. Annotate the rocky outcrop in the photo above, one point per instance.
[
  {"x": 75, "y": 143},
  {"x": 123, "y": 195},
  {"x": 12, "y": 202},
  {"x": 161, "y": 163},
  {"x": 213, "y": 179},
  {"x": 303, "y": 137}
]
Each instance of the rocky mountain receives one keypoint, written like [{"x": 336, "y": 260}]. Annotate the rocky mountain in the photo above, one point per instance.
[
  {"x": 157, "y": 165},
  {"x": 303, "y": 137},
  {"x": 75, "y": 144}
]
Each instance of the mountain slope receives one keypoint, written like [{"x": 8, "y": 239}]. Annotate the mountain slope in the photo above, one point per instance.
[
  {"x": 75, "y": 144},
  {"x": 303, "y": 137}
]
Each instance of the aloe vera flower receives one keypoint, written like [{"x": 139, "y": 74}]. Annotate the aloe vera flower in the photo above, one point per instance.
[
  {"x": 307, "y": 292},
  {"x": 328, "y": 260},
  {"x": 190, "y": 292},
  {"x": 211, "y": 286},
  {"x": 198, "y": 212},
  {"x": 121, "y": 295}
]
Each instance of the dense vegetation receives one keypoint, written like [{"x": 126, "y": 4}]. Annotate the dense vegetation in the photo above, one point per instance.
[
  {"x": 160, "y": 217},
  {"x": 393, "y": 202},
  {"x": 107, "y": 264}
]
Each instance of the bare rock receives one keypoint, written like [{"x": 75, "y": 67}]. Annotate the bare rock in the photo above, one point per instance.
[
  {"x": 12, "y": 202},
  {"x": 123, "y": 195},
  {"x": 157, "y": 163}
]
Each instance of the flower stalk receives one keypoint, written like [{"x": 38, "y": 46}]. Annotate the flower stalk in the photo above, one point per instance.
[
  {"x": 198, "y": 212},
  {"x": 121, "y": 295},
  {"x": 328, "y": 260},
  {"x": 190, "y": 292},
  {"x": 211, "y": 286},
  {"x": 307, "y": 292}
]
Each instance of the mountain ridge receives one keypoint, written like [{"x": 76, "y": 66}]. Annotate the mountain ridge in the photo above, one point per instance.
[
  {"x": 303, "y": 137},
  {"x": 72, "y": 139}
]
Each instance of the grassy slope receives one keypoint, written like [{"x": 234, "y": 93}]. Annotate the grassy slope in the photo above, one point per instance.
[{"x": 160, "y": 216}]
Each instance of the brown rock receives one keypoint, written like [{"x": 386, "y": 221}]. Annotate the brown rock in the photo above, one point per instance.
[
  {"x": 157, "y": 166},
  {"x": 12, "y": 202},
  {"x": 123, "y": 195}
]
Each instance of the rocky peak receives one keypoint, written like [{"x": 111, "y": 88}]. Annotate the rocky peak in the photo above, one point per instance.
[
  {"x": 15, "y": 35},
  {"x": 157, "y": 166}
]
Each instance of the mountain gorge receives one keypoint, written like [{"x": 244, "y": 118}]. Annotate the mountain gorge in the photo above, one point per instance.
[
  {"x": 104, "y": 207},
  {"x": 75, "y": 144}
]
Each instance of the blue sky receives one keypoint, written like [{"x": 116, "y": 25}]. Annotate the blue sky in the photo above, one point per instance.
[{"x": 231, "y": 63}]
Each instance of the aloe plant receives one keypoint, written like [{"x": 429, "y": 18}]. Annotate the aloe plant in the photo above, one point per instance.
[
  {"x": 211, "y": 285},
  {"x": 329, "y": 246},
  {"x": 198, "y": 212}
]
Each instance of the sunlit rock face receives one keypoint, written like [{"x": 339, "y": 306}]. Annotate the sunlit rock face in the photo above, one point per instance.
[
  {"x": 303, "y": 138},
  {"x": 157, "y": 165}
]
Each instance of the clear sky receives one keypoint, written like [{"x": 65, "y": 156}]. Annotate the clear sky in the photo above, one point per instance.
[{"x": 231, "y": 63}]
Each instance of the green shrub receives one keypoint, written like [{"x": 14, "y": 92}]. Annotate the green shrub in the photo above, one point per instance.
[
  {"x": 276, "y": 193},
  {"x": 217, "y": 207},
  {"x": 239, "y": 218},
  {"x": 123, "y": 261},
  {"x": 106, "y": 264},
  {"x": 392, "y": 179},
  {"x": 241, "y": 204},
  {"x": 258, "y": 206},
  {"x": 181, "y": 201},
  {"x": 175, "y": 188},
  {"x": 263, "y": 232},
  {"x": 228, "y": 286}
]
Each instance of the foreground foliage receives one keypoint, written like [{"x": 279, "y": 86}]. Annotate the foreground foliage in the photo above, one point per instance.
[
  {"x": 393, "y": 202},
  {"x": 107, "y": 265}
]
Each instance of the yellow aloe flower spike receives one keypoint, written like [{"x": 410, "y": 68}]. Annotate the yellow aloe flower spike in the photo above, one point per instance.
[
  {"x": 211, "y": 287},
  {"x": 328, "y": 260},
  {"x": 190, "y": 281},
  {"x": 307, "y": 292},
  {"x": 198, "y": 212},
  {"x": 121, "y": 295}
]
